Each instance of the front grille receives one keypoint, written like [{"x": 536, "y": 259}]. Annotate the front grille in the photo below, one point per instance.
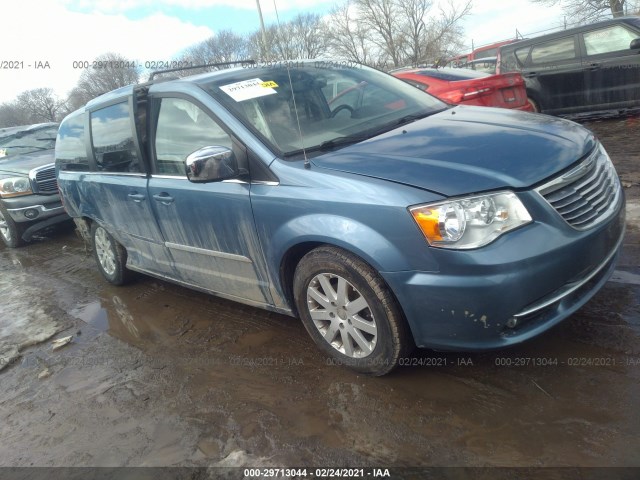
[
  {"x": 44, "y": 180},
  {"x": 587, "y": 194}
]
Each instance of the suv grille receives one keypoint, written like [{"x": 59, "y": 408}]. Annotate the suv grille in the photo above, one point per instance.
[
  {"x": 44, "y": 180},
  {"x": 587, "y": 194}
]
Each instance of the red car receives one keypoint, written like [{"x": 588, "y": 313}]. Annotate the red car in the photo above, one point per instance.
[{"x": 469, "y": 87}]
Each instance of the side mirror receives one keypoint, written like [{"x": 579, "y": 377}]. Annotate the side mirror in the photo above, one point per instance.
[
  {"x": 635, "y": 44},
  {"x": 211, "y": 164}
]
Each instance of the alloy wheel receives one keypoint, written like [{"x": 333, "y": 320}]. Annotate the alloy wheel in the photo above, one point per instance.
[{"x": 342, "y": 315}]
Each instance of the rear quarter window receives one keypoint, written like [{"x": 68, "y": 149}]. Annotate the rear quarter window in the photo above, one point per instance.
[
  {"x": 508, "y": 62},
  {"x": 71, "y": 153},
  {"x": 554, "y": 51}
]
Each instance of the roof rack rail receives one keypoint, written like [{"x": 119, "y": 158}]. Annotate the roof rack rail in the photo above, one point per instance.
[{"x": 221, "y": 64}]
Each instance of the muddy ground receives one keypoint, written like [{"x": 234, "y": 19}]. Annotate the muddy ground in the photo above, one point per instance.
[{"x": 158, "y": 375}]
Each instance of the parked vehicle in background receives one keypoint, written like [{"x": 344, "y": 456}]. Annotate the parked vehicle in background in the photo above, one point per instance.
[
  {"x": 468, "y": 87},
  {"x": 591, "y": 68},
  {"x": 485, "y": 65},
  {"x": 381, "y": 216},
  {"x": 485, "y": 51},
  {"x": 29, "y": 199}
]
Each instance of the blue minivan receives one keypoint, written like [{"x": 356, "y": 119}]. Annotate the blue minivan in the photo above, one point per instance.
[{"x": 381, "y": 217}]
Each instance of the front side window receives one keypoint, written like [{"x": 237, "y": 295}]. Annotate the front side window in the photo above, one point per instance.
[
  {"x": 554, "y": 51},
  {"x": 112, "y": 139},
  {"x": 71, "y": 153},
  {"x": 182, "y": 129},
  {"x": 610, "y": 39}
]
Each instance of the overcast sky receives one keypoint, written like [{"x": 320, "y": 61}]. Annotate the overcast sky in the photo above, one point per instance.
[{"x": 63, "y": 31}]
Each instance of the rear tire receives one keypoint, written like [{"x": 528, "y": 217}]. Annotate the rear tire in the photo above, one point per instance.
[
  {"x": 110, "y": 256},
  {"x": 350, "y": 312},
  {"x": 10, "y": 231},
  {"x": 534, "y": 105}
]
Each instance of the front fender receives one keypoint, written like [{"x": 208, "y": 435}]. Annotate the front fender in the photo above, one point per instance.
[{"x": 342, "y": 232}]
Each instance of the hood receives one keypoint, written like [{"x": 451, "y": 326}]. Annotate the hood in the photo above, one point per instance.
[
  {"x": 467, "y": 149},
  {"x": 22, "y": 164}
]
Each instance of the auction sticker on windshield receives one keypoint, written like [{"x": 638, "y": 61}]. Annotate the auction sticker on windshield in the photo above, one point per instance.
[{"x": 248, "y": 89}]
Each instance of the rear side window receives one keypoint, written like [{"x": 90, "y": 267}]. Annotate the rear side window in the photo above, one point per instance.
[
  {"x": 610, "y": 39},
  {"x": 112, "y": 139},
  {"x": 508, "y": 62},
  {"x": 183, "y": 128},
  {"x": 554, "y": 51},
  {"x": 71, "y": 154}
]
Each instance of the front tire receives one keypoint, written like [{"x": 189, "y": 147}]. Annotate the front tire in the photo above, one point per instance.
[
  {"x": 349, "y": 311},
  {"x": 110, "y": 256},
  {"x": 10, "y": 231}
]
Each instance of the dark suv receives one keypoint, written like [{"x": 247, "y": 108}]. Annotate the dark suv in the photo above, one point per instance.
[
  {"x": 29, "y": 199},
  {"x": 592, "y": 68}
]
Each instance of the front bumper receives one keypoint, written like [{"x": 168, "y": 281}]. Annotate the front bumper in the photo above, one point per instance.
[
  {"x": 36, "y": 211},
  {"x": 510, "y": 291}
]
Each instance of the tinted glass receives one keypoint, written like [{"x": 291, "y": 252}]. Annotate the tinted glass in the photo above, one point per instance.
[
  {"x": 112, "y": 138},
  {"x": 554, "y": 51},
  {"x": 71, "y": 153},
  {"x": 611, "y": 39},
  {"x": 182, "y": 129}
]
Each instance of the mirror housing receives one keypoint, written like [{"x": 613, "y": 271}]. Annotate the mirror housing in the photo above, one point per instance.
[
  {"x": 635, "y": 43},
  {"x": 211, "y": 164}
]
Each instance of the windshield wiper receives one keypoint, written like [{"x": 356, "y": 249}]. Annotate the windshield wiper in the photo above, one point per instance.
[
  {"x": 341, "y": 141},
  {"x": 329, "y": 144},
  {"x": 416, "y": 116}
]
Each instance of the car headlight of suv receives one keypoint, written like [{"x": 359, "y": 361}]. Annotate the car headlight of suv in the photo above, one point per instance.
[
  {"x": 14, "y": 186},
  {"x": 470, "y": 222}
]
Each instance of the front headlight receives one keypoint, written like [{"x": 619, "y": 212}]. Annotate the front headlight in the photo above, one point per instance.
[
  {"x": 14, "y": 186},
  {"x": 470, "y": 222}
]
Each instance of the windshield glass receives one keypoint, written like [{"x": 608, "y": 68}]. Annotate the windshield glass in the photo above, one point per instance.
[
  {"x": 19, "y": 141},
  {"x": 335, "y": 106}
]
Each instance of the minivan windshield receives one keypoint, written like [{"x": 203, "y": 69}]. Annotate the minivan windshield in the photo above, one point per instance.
[{"x": 317, "y": 106}]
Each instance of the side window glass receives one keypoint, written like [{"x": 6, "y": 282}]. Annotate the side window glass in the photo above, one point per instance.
[
  {"x": 521, "y": 54},
  {"x": 71, "y": 153},
  {"x": 112, "y": 140},
  {"x": 610, "y": 39},
  {"x": 554, "y": 51},
  {"x": 182, "y": 129}
]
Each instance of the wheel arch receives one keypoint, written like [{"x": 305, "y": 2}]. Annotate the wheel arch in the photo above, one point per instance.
[{"x": 360, "y": 240}]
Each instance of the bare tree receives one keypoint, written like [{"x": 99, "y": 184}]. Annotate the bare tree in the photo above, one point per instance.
[
  {"x": 346, "y": 37},
  {"x": 396, "y": 32},
  {"x": 114, "y": 71},
  {"x": 583, "y": 11},
  {"x": 11, "y": 115},
  {"x": 415, "y": 28},
  {"x": 445, "y": 33},
  {"x": 40, "y": 104},
  {"x": 382, "y": 18}
]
